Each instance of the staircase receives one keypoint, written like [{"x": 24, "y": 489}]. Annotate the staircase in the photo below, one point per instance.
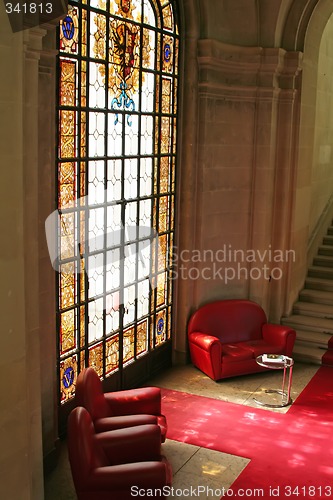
[{"x": 312, "y": 315}]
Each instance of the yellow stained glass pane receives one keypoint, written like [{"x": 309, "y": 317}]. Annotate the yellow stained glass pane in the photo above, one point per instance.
[
  {"x": 162, "y": 254},
  {"x": 161, "y": 287},
  {"x": 166, "y": 95},
  {"x": 67, "y": 331},
  {"x": 67, "y": 285},
  {"x": 68, "y": 376},
  {"x": 165, "y": 134},
  {"x": 67, "y": 89},
  {"x": 67, "y": 235},
  {"x": 172, "y": 212},
  {"x": 112, "y": 355},
  {"x": 98, "y": 35},
  {"x": 67, "y": 133},
  {"x": 167, "y": 16},
  {"x": 164, "y": 174},
  {"x": 142, "y": 338},
  {"x": 128, "y": 345},
  {"x": 96, "y": 358},
  {"x": 66, "y": 190}
]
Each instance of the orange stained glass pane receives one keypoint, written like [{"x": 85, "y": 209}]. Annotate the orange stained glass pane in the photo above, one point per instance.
[
  {"x": 166, "y": 95},
  {"x": 172, "y": 212},
  {"x": 112, "y": 355},
  {"x": 170, "y": 286},
  {"x": 176, "y": 57},
  {"x": 67, "y": 285},
  {"x": 164, "y": 174},
  {"x": 169, "y": 322},
  {"x": 67, "y": 89},
  {"x": 160, "y": 327},
  {"x": 174, "y": 122},
  {"x": 168, "y": 55},
  {"x": 83, "y": 169},
  {"x": 67, "y": 331},
  {"x": 67, "y": 134},
  {"x": 173, "y": 174},
  {"x": 82, "y": 360},
  {"x": 68, "y": 376},
  {"x": 161, "y": 287},
  {"x": 128, "y": 345},
  {"x": 82, "y": 326},
  {"x": 83, "y": 144},
  {"x": 165, "y": 134},
  {"x": 96, "y": 358},
  {"x": 142, "y": 338},
  {"x": 66, "y": 178},
  {"x": 163, "y": 214},
  {"x": 83, "y": 83}
]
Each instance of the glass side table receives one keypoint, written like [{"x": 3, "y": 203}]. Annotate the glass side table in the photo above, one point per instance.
[{"x": 277, "y": 362}]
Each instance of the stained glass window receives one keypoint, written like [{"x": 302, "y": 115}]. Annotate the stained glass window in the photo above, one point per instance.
[{"x": 117, "y": 131}]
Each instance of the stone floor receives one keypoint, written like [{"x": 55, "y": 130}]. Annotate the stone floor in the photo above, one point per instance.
[{"x": 193, "y": 466}]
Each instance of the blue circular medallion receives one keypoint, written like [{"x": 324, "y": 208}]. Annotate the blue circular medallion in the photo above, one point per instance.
[
  {"x": 167, "y": 52},
  {"x": 68, "y": 377},
  {"x": 160, "y": 326},
  {"x": 68, "y": 27}
]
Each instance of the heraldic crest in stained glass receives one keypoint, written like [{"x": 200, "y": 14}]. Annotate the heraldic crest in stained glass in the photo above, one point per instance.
[{"x": 124, "y": 55}]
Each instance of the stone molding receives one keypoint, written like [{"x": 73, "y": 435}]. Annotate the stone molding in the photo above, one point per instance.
[{"x": 246, "y": 72}]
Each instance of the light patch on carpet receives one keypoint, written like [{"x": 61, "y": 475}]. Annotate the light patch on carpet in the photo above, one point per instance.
[{"x": 205, "y": 471}]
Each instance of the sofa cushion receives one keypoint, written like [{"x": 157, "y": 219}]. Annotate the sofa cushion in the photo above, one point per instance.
[
  {"x": 258, "y": 347},
  {"x": 236, "y": 352}
]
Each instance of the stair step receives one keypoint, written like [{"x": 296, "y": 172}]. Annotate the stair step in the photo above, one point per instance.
[
  {"x": 307, "y": 354},
  {"x": 323, "y": 260},
  {"x": 330, "y": 230},
  {"x": 314, "y": 324},
  {"x": 310, "y": 337},
  {"x": 325, "y": 250},
  {"x": 319, "y": 284},
  {"x": 328, "y": 240},
  {"x": 313, "y": 309},
  {"x": 318, "y": 296},
  {"x": 320, "y": 272}
]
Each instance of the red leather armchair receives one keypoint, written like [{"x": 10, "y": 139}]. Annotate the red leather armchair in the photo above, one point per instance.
[
  {"x": 119, "y": 409},
  {"x": 226, "y": 336},
  {"x": 114, "y": 464}
]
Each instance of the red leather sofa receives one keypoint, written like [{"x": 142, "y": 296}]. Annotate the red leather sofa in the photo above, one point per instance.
[
  {"x": 119, "y": 409},
  {"x": 226, "y": 336},
  {"x": 108, "y": 465}
]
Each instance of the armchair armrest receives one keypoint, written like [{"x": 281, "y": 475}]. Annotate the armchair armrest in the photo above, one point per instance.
[
  {"x": 123, "y": 477},
  {"x": 132, "y": 444},
  {"x": 134, "y": 401},
  {"x": 279, "y": 335},
  {"x": 205, "y": 341}
]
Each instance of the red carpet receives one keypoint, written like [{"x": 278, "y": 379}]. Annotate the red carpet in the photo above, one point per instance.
[{"x": 291, "y": 454}]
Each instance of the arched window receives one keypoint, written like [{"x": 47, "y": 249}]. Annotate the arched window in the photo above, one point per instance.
[{"x": 117, "y": 124}]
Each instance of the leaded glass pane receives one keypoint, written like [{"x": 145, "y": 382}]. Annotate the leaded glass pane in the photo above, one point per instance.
[{"x": 116, "y": 180}]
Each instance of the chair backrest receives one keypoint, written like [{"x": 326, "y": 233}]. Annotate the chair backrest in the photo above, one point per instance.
[
  {"x": 83, "y": 450},
  {"x": 233, "y": 320},
  {"x": 89, "y": 394}
]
